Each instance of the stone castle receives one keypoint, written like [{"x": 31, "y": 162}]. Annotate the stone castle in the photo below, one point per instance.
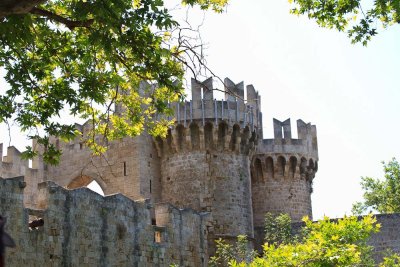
[{"x": 167, "y": 200}]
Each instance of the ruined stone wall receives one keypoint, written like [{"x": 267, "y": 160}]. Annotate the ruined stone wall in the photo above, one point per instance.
[
  {"x": 282, "y": 172},
  {"x": 82, "y": 228}
]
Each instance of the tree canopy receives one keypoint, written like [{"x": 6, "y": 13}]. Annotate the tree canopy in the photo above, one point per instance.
[
  {"x": 381, "y": 195},
  {"x": 341, "y": 242},
  {"x": 87, "y": 56},
  {"x": 360, "y": 19}
]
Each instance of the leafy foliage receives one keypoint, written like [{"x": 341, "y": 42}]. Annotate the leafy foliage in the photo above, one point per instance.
[
  {"x": 278, "y": 229},
  {"x": 86, "y": 56},
  {"x": 226, "y": 252},
  {"x": 351, "y": 15},
  {"x": 381, "y": 195},
  {"x": 327, "y": 242}
]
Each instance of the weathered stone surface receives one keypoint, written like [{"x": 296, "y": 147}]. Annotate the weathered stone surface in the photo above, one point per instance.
[{"x": 82, "y": 228}]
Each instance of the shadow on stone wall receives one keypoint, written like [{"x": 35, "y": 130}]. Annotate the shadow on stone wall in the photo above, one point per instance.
[{"x": 83, "y": 228}]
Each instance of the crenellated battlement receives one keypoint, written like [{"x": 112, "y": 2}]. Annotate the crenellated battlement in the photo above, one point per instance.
[
  {"x": 224, "y": 137},
  {"x": 283, "y": 143},
  {"x": 233, "y": 109},
  {"x": 13, "y": 165},
  {"x": 288, "y": 157}
]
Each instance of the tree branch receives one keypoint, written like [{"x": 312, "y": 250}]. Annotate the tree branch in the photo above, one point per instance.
[{"x": 71, "y": 24}]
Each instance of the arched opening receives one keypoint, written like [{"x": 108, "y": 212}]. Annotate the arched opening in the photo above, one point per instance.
[
  {"x": 292, "y": 166},
  {"x": 208, "y": 136},
  {"x": 194, "y": 136},
  {"x": 234, "y": 137},
  {"x": 86, "y": 181},
  {"x": 270, "y": 167},
  {"x": 258, "y": 173},
  {"x": 281, "y": 165},
  {"x": 180, "y": 131},
  {"x": 222, "y": 131}
]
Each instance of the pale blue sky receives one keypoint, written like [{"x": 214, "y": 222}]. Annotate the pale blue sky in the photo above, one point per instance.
[
  {"x": 302, "y": 71},
  {"x": 350, "y": 92}
]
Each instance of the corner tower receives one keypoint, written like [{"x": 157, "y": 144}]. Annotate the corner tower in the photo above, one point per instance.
[
  {"x": 205, "y": 159},
  {"x": 283, "y": 169}
]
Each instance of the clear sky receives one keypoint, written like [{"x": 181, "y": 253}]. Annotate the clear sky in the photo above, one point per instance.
[{"x": 350, "y": 92}]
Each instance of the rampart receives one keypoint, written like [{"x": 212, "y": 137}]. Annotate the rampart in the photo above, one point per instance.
[{"x": 82, "y": 228}]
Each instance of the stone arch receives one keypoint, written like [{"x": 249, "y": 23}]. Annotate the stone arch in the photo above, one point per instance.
[
  {"x": 208, "y": 136},
  {"x": 269, "y": 162},
  {"x": 292, "y": 166},
  {"x": 257, "y": 176},
  {"x": 234, "y": 137},
  {"x": 281, "y": 164},
  {"x": 180, "y": 136},
  {"x": 222, "y": 132},
  {"x": 194, "y": 135},
  {"x": 83, "y": 180}
]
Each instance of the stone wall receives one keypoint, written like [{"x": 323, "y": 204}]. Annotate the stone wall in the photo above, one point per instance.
[
  {"x": 288, "y": 193},
  {"x": 82, "y": 228},
  {"x": 389, "y": 235},
  {"x": 218, "y": 183},
  {"x": 130, "y": 166}
]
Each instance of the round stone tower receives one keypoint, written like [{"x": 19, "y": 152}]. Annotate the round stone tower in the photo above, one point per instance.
[
  {"x": 205, "y": 159},
  {"x": 282, "y": 172}
]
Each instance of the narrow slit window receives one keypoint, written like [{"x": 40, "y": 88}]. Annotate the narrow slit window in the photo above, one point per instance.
[{"x": 124, "y": 168}]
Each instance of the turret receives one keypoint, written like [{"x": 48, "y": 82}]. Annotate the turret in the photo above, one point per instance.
[
  {"x": 205, "y": 159},
  {"x": 283, "y": 169}
]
